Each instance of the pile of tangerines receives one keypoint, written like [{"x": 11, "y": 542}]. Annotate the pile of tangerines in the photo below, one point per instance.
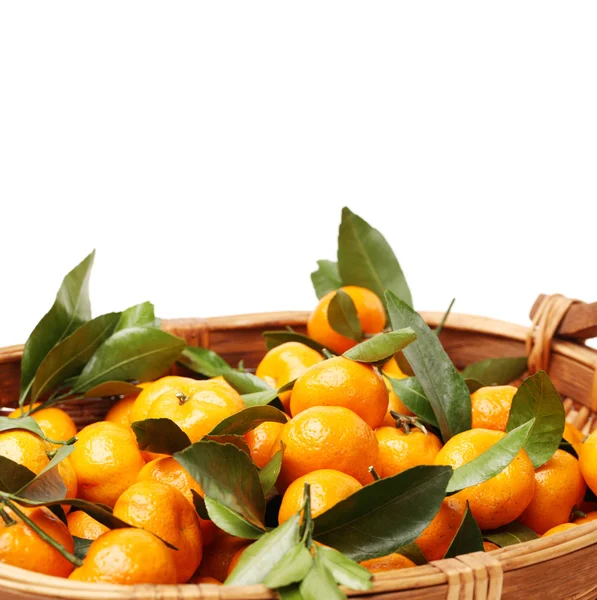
[{"x": 342, "y": 432}]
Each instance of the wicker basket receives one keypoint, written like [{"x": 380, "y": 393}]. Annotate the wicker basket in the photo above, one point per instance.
[{"x": 559, "y": 567}]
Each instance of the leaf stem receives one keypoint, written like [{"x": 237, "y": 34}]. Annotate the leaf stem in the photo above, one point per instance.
[
  {"x": 374, "y": 473},
  {"x": 6, "y": 517},
  {"x": 439, "y": 328},
  {"x": 44, "y": 536},
  {"x": 307, "y": 533}
]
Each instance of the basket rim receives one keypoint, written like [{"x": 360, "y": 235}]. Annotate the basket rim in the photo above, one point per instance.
[{"x": 510, "y": 558}]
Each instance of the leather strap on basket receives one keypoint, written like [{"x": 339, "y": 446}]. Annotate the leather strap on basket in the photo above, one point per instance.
[{"x": 546, "y": 320}]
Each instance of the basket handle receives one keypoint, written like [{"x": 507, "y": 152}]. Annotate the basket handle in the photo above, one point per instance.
[{"x": 579, "y": 321}]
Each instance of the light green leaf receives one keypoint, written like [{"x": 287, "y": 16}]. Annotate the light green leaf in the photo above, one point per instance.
[
  {"x": 140, "y": 315},
  {"x": 326, "y": 278},
  {"x": 203, "y": 361},
  {"x": 231, "y": 522},
  {"x": 380, "y": 348},
  {"x": 319, "y": 583},
  {"x": 345, "y": 571},
  {"x": 292, "y": 568}
]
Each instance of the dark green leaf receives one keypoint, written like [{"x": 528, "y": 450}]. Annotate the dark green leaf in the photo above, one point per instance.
[
  {"x": 492, "y": 461},
  {"x": 326, "y": 279},
  {"x": 269, "y": 474},
  {"x": 319, "y": 583},
  {"x": 411, "y": 394},
  {"x": 140, "y": 315},
  {"x": 468, "y": 538},
  {"x": 48, "y": 483},
  {"x": 203, "y": 361},
  {"x": 473, "y": 385},
  {"x": 231, "y": 522},
  {"x": 538, "y": 399},
  {"x": 226, "y": 474},
  {"x": 68, "y": 358},
  {"x": 441, "y": 382},
  {"x": 137, "y": 353},
  {"x": 497, "y": 371},
  {"x": 292, "y": 568},
  {"x": 247, "y": 419},
  {"x": 403, "y": 364},
  {"x": 81, "y": 546},
  {"x": 13, "y": 476},
  {"x": 343, "y": 318},
  {"x": 263, "y": 555},
  {"x": 69, "y": 311},
  {"x": 163, "y": 436},
  {"x": 384, "y": 515},
  {"x": 513, "y": 533},
  {"x": 246, "y": 383},
  {"x": 275, "y": 338},
  {"x": 566, "y": 446},
  {"x": 26, "y": 423},
  {"x": 235, "y": 440},
  {"x": 199, "y": 504},
  {"x": 112, "y": 388},
  {"x": 381, "y": 347},
  {"x": 414, "y": 553},
  {"x": 366, "y": 259},
  {"x": 441, "y": 324},
  {"x": 345, "y": 571}
]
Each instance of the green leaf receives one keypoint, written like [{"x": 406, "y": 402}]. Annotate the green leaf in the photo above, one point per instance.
[
  {"x": 566, "y": 446},
  {"x": 231, "y": 522},
  {"x": 319, "y": 583},
  {"x": 537, "y": 399},
  {"x": 290, "y": 592},
  {"x": 262, "y": 556},
  {"x": 403, "y": 364},
  {"x": 366, "y": 259},
  {"x": 68, "y": 358},
  {"x": 473, "y": 385},
  {"x": 513, "y": 533},
  {"x": 246, "y": 383},
  {"x": 441, "y": 324},
  {"x": 48, "y": 483},
  {"x": 413, "y": 552},
  {"x": 70, "y": 310},
  {"x": 112, "y": 388},
  {"x": 266, "y": 397},
  {"x": 292, "y": 568},
  {"x": 163, "y": 436},
  {"x": 468, "y": 538},
  {"x": 441, "y": 382},
  {"x": 140, "y": 315},
  {"x": 247, "y": 419},
  {"x": 81, "y": 546},
  {"x": 131, "y": 354},
  {"x": 343, "y": 318},
  {"x": 326, "y": 278},
  {"x": 380, "y": 348},
  {"x": 203, "y": 361},
  {"x": 496, "y": 371},
  {"x": 276, "y": 338},
  {"x": 13, "y": 476},
  {"x": 493, "y": 461},
  {"x": 384, "y": 515},
  {"x": 269, "y": 474},
  {"x": 345, "y": 571},
  {"x": 235, "y": 440},
  {"x": 26, "y": 423},
  {"x": 199, "y": 504},
  {"x": 226, "y": 474},
  {"x": 411, "y": 394}
]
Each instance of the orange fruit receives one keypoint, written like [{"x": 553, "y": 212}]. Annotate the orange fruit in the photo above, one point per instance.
[
  {"x": 285, "y": 363},
  {"x": 206, "y": 580},
  {"x": 588, "y": 460},
  {"x": 491, "y": 407},
  {"x": 573, "y": 436},
  {"x": 127, "y": 556},
  {"x": 391, "y": 369},
  {"x": 590, "y": 516},
  {"x": 327, "y": 437},
  {"x": 395, "y": 404},
  {"x": 153, "y": 390},
  {"x": 54, "y": 422},
  {"x": 559, "y": 487},
  {"x": 198, "y": 411},
  {"x": 559, "y": 529},
  {"x": 120, "y": 412},
  {"x": 261, "y": 442},
  {"x": 504, "y": 497},
  {"x": 25, "y": 448},
  {"x": 370, "y": 311},
  {"x": 489, "y": 546},
  {"x": 438, "y": 535},
  {"x": 167, "y": 470},
  {"x": 106, "y": 460},
  {"x": 328, "y": 487},
  {"x": 163, "y": 510},
  {"x": 390, "y": 562},
  {"x": 81, "y": 525},
  {"x": 67, "y": 472},
  {"x": 343, "y": 382},
  {"x": 218, "y": 555},
  {"x": 235, "y": 559},
  {"x": 399, "y": 451},
  {"x": 21, "y": 547}
]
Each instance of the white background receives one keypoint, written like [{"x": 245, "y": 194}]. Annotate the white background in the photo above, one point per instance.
[{"x": 206, "y": 150}]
